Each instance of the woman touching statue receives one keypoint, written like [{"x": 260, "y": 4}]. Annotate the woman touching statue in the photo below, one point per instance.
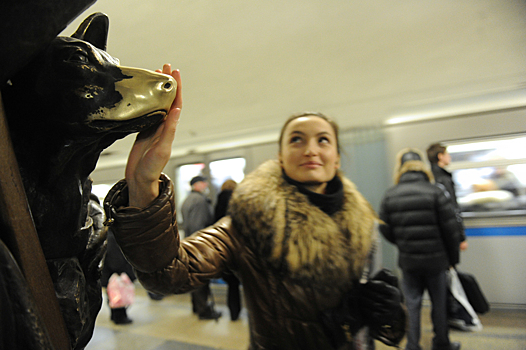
[{"x": 298, "y": 235}]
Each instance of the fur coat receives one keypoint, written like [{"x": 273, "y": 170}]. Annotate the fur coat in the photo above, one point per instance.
[
  {"x": 293, "y": 260},
  {"x": 299, "y": 238}
]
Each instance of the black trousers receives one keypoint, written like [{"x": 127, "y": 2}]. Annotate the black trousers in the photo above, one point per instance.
[
  {"x": 414, "y": 284},
  {"x": 200, "y": 303},
  {"x": 233, "y": 296}
]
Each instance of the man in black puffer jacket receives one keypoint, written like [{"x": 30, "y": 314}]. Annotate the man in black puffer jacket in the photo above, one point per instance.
[{"x": 420, "y": 220}]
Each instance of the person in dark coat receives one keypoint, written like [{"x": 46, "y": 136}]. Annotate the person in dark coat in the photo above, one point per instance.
[
  {"x": 439, "y": 158},
  {"x": 197, "y": 214},
  {"x": 220, "y": 210},
  {"x": 115, "y": 262},
  {"x": 420, "y": 220}
]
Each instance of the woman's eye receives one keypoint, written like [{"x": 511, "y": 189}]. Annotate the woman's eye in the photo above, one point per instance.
[
  {"x": 295, "y": 139},
  {"x": 323, "y": 140}
]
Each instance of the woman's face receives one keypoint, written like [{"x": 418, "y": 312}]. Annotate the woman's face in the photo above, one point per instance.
[{"x": 309, "y": 152}]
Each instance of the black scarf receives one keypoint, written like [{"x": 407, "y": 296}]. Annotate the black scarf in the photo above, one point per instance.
[{"x": 329, "y": 202}]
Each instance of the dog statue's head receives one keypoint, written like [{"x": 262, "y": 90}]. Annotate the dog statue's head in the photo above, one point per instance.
[
  {"x": 75, "y": 89},
  {"x": 73, "y": 101},
  {"x": 63, "y": 109}
]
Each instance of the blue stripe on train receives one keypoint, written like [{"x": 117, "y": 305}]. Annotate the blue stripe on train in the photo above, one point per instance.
[{"x": 496, "y": 231}]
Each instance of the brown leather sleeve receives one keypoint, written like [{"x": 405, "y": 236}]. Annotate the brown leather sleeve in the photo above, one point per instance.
[
  {"x": 147, "y": 237},
  {"x": 150, "y": 241}
]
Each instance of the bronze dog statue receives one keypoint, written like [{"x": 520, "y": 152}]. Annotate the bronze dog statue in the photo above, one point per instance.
[{"x": 63, "y": 109}]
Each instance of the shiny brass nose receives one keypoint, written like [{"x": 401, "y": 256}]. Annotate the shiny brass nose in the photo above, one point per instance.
[{"x": 167, "y": 85}]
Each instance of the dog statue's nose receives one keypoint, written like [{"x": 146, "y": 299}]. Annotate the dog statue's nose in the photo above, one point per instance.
[{"x": 167, "y": 85}]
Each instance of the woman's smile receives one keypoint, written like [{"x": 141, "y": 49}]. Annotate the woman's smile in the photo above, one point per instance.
[{"x": 313, "y": 164}]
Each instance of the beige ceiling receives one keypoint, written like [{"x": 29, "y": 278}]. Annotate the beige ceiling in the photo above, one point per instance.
[{"x": 248, "y": 64}]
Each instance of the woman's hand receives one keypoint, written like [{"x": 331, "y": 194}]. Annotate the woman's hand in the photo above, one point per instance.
[{"x": 151, "y": 151}]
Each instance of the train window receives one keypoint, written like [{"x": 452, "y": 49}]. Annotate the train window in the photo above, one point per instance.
[
  {"x": 490, "y": 175},
  {"x": 224, "y": 169}
]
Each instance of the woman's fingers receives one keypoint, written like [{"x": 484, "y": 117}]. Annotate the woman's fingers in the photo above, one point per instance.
[
  {"x": 170, "y": 125},
  {"x": 172, "y": 119},
  {"x": 178, "y": 101}
]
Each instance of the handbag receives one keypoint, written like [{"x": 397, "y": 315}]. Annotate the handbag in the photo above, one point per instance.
[
  {"x": 461, "y": 314},
  {"x": 121, "y": 291},
  {"x": 475, "y": 295},
  {"x": 342, "y": 323}
]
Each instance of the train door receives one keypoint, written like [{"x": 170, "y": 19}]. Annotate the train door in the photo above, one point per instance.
[{"x": 217, "y": 167}]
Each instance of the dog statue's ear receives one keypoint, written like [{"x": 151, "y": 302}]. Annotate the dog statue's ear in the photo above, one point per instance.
[{"x": 94, "y": 30}]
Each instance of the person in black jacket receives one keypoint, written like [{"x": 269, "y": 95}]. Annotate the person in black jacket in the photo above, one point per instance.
[
  {"x": 439, "y": 158},
  {"x": 420, "y": 220},
  {"x": 220, "y": 210},
  {"x": 198, "y": 213},
  {"x": 115, "y": 262}
]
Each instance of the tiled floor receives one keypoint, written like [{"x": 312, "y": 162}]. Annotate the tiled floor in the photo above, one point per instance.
[{"x": 170, "y": 324}]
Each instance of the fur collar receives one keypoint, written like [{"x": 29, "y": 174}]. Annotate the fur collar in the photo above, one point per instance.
[
  {"x": 412, "y": 165},
  {"x": 297, "y": 238}
]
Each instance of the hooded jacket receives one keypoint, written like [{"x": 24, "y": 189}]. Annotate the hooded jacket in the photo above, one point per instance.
[
  {"x": 293, "y": 259},
  {"x": 420, "y": 219}
]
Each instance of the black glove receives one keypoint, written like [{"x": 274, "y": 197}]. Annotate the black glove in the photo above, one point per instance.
[{"x": 382, "y": 309}]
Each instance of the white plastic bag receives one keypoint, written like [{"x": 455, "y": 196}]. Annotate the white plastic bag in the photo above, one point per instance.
[
  {"x": 456, "y": 289},
  {"x": 121, "y": 291}
]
